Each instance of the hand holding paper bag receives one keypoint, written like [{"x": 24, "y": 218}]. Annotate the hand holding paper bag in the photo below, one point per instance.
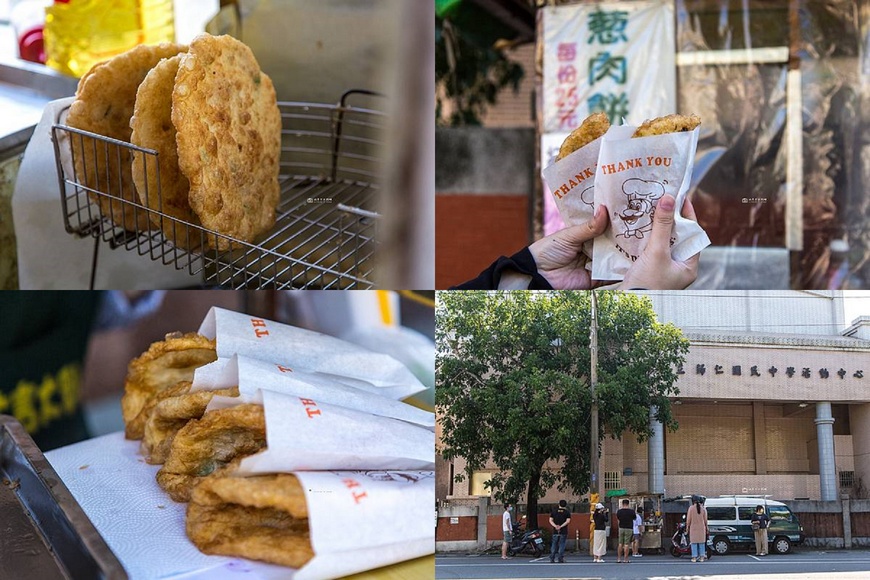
[
  {"x": 632, "y": 176},
  {"x": 627, "y": 171}
]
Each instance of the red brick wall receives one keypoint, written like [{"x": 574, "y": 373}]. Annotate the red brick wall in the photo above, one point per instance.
[
  {"x": 466, "y": 529},
  {"x": 493, "y": 527},
  {"x": 579, "y": 522},
  {"x": 471, "y": 231}
]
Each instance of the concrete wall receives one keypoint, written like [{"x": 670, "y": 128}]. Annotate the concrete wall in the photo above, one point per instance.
[{"x": 810, "y": 313}]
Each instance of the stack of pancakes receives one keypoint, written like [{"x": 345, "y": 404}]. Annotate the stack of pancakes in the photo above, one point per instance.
[{"x": 212, "y": 116}]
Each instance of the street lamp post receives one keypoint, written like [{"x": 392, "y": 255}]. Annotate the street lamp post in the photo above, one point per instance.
[{"x": 593, "y": 384}]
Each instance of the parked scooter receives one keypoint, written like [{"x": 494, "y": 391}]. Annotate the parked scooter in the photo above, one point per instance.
[
  {"x": 525, "y": 540},
  {"x": 680, "y": 543}
]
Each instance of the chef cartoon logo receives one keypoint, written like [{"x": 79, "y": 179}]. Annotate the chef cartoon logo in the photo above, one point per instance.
[
  {"x": 635, "y": 220},
  {"x": 586, "y": 195}
]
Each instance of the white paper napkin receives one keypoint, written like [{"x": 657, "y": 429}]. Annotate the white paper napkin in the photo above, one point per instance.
[{"x": 139, "y": 522}]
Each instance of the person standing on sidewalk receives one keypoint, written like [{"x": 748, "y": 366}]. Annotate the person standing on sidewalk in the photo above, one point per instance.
[
  {"x": 507, "y": 528},
  {"x": 599, "y": 537},
  {"x": 638, "y": 531},
  {"x": 559, "y": 519},
  {"x": 696, "y": 526},
  {"x": 625, "y": 517},
  {"x": 760, "y": 522}
]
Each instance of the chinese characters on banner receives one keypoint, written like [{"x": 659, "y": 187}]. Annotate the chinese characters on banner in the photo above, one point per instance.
[{"x": 615, "y": 57}]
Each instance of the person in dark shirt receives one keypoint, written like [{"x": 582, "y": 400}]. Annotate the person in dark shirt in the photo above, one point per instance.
[
  {"x": 559, "y": 519},
  {"x": 599, "y": 543},
  {"x": 760, "y": 530},
  {"x": 43, "y": 341},
  {"x": 625, "y": 517}
]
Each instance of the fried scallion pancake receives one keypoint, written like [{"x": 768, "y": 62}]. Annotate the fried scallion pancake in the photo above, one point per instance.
[
  {"x": 668, "y": 124},
  {"x": 228, "y": 124},
  {"x": 172, "y": 409},
  {"x": 104, "y": 103},
  {"x": 159, "y": 182},
  {"x": 593, "y": 127},
  {"x": 205, "y": 445},
  {"x": 162, "y": 366},
  {"x": 261, "y": 517}
]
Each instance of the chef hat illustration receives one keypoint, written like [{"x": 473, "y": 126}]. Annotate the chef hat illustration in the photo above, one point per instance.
[{"x": 641, "y": 188}]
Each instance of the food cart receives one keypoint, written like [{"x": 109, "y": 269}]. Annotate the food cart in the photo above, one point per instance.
[{"x": 653, "y": 519}]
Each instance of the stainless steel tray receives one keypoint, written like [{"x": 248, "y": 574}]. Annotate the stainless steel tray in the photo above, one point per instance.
[{"x": 45, "y": 533}]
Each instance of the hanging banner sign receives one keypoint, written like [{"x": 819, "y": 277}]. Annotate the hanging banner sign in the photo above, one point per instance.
[{"x": 616, "y": 57}]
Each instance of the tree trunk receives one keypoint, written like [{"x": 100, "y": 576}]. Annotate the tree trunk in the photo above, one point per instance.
[{"x": 532, "y": 500}]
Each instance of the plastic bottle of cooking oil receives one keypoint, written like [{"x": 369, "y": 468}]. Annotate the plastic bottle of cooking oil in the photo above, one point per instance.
[{"x": 81, "y": 33}]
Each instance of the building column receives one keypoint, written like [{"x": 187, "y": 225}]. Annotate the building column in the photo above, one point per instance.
[
  {"x": 859, "y": 423},
  {"x": 656, "y": 455},
  {"x": 827, "y": 465}
]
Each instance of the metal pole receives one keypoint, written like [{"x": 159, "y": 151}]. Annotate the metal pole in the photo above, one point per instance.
[{"x": 594, "y": 486}]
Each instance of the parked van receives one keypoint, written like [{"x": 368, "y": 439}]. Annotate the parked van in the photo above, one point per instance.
[{"x": 728, "y": 521}]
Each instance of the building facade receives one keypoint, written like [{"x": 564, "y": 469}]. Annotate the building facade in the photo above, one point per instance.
[{"x": 774, "y": 399}]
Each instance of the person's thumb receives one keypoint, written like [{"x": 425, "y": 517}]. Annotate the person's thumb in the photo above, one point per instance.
[
  {"x": 584, "y": 232},
  {"x": 663, "y": 224}
]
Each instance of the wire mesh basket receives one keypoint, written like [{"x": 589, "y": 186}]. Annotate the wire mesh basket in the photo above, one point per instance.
[{"x": 325, "y": 233}]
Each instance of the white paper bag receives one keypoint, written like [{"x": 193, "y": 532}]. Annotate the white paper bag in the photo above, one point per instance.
[
  {"x": 238, "y": 333},
  {"x": 308, "y": 435},
  {"x": 572, "y": 181},
  {"x": 385, "y": 517},
  {"x": 252, "y": 375},
  {"x": 632, "y": 175}
]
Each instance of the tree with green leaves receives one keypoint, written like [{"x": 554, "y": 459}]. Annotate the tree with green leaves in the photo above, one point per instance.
[
  {"x": 513, "y": 383},
  {"x": 470, "y": 63}
]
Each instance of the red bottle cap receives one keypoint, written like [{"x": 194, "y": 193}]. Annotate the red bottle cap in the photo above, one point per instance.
[{"x": 31, "y": 46}]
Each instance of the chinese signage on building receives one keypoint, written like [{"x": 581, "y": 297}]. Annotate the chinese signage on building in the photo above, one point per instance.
[
  {"x": 753, "y": 372},
  {"x": 615, "y": 57}
]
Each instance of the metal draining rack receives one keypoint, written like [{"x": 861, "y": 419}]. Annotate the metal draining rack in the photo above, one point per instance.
[{"x": 325, "y": 235}]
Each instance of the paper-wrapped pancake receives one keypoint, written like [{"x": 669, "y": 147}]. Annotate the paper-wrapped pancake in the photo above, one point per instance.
[
  {"x": 261, "y": 517},
  {"x": 205, "y": 445},
  {"x": 592, "y": 127},
  {"x": 668, "y": 124},
  {"x": 173, "y": 408}
]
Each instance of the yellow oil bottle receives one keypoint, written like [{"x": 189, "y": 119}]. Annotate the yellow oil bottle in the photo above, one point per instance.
[{"x": 80, "y": 33}]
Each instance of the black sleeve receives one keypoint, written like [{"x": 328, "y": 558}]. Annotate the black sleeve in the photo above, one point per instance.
[{"x": 522, "y": 262}]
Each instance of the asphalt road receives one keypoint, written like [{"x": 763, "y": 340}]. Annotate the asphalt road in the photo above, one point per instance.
[{"x": 800, "y": 564}]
